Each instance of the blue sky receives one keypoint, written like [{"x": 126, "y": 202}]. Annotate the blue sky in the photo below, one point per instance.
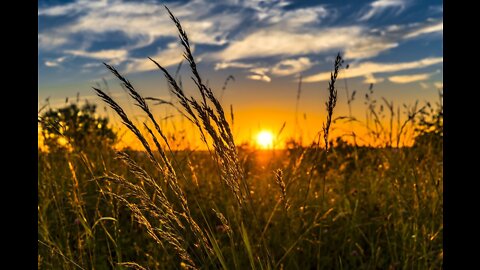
[{"x": 395, "y": 44}]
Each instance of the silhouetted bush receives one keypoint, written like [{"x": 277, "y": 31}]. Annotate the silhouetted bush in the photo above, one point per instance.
[{"x": 74, "y": 127}]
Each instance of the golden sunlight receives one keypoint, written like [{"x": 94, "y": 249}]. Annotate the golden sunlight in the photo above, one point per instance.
[{"x": 265, "y": 139}]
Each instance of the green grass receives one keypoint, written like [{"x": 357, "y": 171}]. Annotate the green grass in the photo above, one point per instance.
[
  {"x": 239, "y": 208},
  {"x": 373, "y": 215}
]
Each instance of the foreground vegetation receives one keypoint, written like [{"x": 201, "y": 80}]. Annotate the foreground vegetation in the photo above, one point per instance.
[
  {"x": 336, "y": 206},
  {"x": 382, "y": 209}
]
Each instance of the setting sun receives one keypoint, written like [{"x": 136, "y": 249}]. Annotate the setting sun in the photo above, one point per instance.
[{"x": 265, "y": 139}]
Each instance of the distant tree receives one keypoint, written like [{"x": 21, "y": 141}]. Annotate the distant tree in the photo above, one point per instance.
[{"x": 75, "y": 128}]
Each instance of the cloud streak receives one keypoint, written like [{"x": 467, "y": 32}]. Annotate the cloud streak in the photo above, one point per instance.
[
  {"x": 292, "y": 66},
  {"x": 380, "y": 6},
  {"x": 259, "y": 77},
  {"x": 259, "y": 74},
  {"x": 276, "y": 42},
  {"x": 143, "y": 20},
  {"x": 114, "y": 57},
  {"x": 55, "y": 62},
  {"x": 435, "y": 28},
  {"x": 140, "y": 23},
  {"x": 402, "y": 79},
  {"x": 224, "y": 65},
  {"x": 357, "y": 42},
  {"x": 170, "y": 56},
  {"x": 366, "y": 68},
  {"x": 369, "y": 79}
]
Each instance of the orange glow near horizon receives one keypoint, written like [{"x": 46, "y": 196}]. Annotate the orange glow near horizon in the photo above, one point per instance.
[
  {"x": 263, "y": 138},
  {"x": 263, "y": 127}
]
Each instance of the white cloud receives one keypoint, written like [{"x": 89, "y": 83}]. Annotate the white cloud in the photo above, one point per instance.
[
  {"x": 71, "y": 8},
  {"x": 357, "y": 42},
  {"x": 51, "y": 64},
  {"x": 369, "y": 79},
  {"x": 264, "y": 9},
  {"x": 259, "y": 77},
  {"x": 113, "y": 56},
  {"x": 50, "y": 41},
  {"x": 274, "y": 42},
  {"x": 144, "y": 22},
  {"x": 297, "y": 17},
  {"x": 260, "y": 74},
  {"x": 91, "y": 65},
  {"x": 368, "y": 47},
  {"x": 366, "y": 68},
  {"x": 283, "y": 68},
  {"x": 409, "y": 78},
  {"x": 260, "y": 70},
  {"x": 224, "y": 65},
  {"x": 55, "y": 62},
  {"x": 172, "y": 55},
  {"x": 437, "y": 27},
  {"x": 411, "y": 30},
  {"x": 141, "y": 23},
  {"x": 380, "y": 6},
  {"x": 291, "y": 66}
]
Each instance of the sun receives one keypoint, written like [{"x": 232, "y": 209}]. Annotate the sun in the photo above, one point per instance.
[{"x": 265, "y": 139}]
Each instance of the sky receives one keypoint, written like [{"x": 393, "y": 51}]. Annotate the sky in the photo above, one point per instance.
[{"x": 265, "y": 45}]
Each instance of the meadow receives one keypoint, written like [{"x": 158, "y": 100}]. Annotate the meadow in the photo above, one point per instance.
[{"x": 329, "y": 205}]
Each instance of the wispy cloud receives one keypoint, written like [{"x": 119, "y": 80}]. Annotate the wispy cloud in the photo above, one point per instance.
[
  {"x": 50, "y": 41},
  {"x": 409, "y": 78},
  {"x": 55, "y": 62},
  {"x": 275, "y": 42},
  {"x": 283, "y": 68},
  {"x": 51, "y": 64},
  {"x": 263, "y": 9},
  {"x": 113, "y": 56},
  {"x": 292, "y": 66},
  {"x": 366, "y": 68},
  {"x": 143, "y": 21},
  {"x": 368, "y": 47},
  {"x": 357, "y": 42},
  {"x": 380, "y": 6},
  {"x": 369, "y": 79},
  {"x": 259, "y": 74},
  {"x": 224, "y": 65},
  {"x": 437, "y": 27},
  {"x": 297, "y": 17},
  {"x": 411, "y": 30},
  {"x": 259, "y": 77},
  {"x": 90, "y": 65},
  {"x": 172, "y": 55},
  {"x": 140, "y": 23},
  {"x": 71, "y": 8}
]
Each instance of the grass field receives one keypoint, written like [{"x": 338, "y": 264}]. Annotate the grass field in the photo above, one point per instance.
[{"x": 303, "y": 207}]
